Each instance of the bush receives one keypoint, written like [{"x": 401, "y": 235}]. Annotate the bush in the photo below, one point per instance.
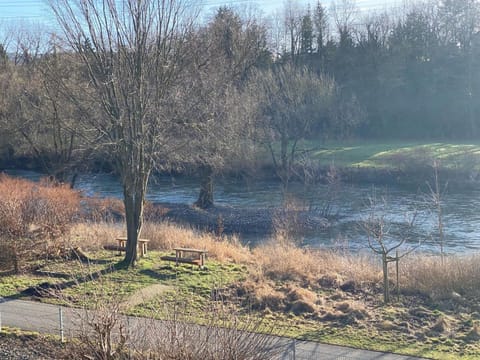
[
  {"x": 98, "y": 210},
  {"x": 34, "y": 216},
  {"x": 105, "y": 333}
]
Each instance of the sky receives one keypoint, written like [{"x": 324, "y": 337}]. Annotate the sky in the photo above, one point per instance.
[{"x": 37, "y": 10}]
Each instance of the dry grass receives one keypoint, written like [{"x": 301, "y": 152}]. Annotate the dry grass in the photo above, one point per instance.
[
  {"x": 162, "y": 236},
  {"x": 443, "y": 279},
  {"x": 166, "y": 236},
  {"x": 92, "y": 236},
  {"x": 287, "y": 262}
]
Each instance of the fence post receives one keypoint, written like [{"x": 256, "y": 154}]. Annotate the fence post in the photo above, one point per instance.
[
  {"x": 60, "y": 313},
  {"x": 294, "y": 349},
  {"x": 398, "y": 276},
  {"x": 128, "y": 338}
]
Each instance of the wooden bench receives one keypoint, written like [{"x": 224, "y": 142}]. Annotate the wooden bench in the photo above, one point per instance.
[
  {"x": 113, "y": 247},
  {"x": 122, "y": 245},
  {"x": 188, "y": 256}
]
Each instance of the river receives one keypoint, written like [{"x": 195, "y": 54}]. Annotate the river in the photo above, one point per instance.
[{"x": 460, "y": 208}]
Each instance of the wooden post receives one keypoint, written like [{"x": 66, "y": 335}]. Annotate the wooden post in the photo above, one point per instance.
[
  {"x": 386, "y": 285},
  {"x": 60, "y": 313},
  {"x": 398, "y": 276}
]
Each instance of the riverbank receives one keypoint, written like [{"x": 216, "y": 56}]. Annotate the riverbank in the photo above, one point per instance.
[
  {"x": 306, "y": 294},
  {"x": 391, "y": 163},
  {"x": 254, "y": 209},
  {"x": 363, "y": 162},
  {"x": 247, "y": 222}
]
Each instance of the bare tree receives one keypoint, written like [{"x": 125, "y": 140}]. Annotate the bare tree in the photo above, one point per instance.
[
  {"x": 41, "y": 114},
  {"x": 344, "y": 13},
  {"x": 134, "y": 52},
  {"x": 293, "y": 25},
  {"x": 435, "y": 200},
  {"x": 224, "y": 51},
  {"x": 292, "y": 101},
  {"x": 385, "y": 237}
]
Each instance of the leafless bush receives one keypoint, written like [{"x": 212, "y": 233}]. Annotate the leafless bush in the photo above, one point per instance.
[
  {"x": 34, "y": 217},
  {"x": 104, "y": 333},
  {"x": 223, "y": 335},
  {"x": 287, "y": 224}
]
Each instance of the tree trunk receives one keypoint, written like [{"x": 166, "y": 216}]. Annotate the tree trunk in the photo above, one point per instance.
[
  {"x": 134, "y": 194},
  {"x": 386, "y": 287},
  {"x": 284, "y": 172},
  {"x": 205, "y": 198}
]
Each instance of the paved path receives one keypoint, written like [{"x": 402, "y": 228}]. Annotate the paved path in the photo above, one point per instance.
[{"x": 35, "y": 316}]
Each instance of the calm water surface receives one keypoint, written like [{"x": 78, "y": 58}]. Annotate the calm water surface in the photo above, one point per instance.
[{"x": 461, "y": 208}]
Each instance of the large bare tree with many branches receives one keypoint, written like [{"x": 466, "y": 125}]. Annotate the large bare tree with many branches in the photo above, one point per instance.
[{"x": 134, "y": 51}]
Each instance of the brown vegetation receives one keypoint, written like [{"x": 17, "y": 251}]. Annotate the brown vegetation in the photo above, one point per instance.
[
  {"x": 451, "y": 278},
  {"x": 34, "y": 218},
  {"x": 285, "y": 263}
]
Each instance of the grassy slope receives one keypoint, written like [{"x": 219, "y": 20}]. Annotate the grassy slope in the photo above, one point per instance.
[
  {"x": 394, "y": 154},
  {"x": 193, "y": 286}
]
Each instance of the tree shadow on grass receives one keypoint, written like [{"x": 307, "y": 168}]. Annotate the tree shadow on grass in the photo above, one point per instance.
[
  {"x": 46, "y": 289},
  {"x": 162, "y": 276}
]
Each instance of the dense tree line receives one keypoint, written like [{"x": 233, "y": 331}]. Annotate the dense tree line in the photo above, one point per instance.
[
  {"x": 415, "y": 70},
  {"x": 408, "y": 73}
]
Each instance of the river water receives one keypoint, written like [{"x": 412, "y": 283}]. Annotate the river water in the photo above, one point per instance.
[{"x": 461, "y": 215}]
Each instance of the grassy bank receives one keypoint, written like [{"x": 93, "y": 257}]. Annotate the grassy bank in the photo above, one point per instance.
[
  {"x": 317, "y": 295},
  {"x": 391, "y": 162},
  {"x": 394, "y": 154}
]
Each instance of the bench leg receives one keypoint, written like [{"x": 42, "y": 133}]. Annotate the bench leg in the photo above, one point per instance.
[{"x": 143, "y": 249}]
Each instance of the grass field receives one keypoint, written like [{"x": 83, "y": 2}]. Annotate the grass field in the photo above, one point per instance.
[{"x": 394, "y": 155}]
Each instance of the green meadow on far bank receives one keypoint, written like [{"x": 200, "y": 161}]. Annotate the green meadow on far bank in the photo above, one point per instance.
[{"x": 393, "y": 155}]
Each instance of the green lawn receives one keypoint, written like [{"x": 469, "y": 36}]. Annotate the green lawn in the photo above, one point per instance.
[{"x": 394, "y": 154}]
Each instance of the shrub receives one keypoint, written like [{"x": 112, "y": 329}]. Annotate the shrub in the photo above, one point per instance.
[
  {"x": 34, "y": 216},
  {"x": 96, "y": 209},
  {"x": 104, "y": 333}
]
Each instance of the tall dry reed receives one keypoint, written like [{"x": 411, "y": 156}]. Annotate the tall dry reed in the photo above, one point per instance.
[
  {"x": 442, "y": 278},
  {"x": 285, "y": 261},
  {"x": 165, "y": 236}
]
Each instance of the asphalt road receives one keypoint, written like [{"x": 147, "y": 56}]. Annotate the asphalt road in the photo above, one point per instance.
[{"x": 45, "y": 318}]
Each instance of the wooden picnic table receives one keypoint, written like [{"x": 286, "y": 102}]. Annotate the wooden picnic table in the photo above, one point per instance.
[
  {"x": 188, "y": 256},
  {"x": 142, "y": 243},
  {"x": 202, "y": 254}
]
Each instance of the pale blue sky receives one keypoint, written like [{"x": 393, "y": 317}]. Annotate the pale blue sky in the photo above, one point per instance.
[{"x": 37, "y": 10}]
